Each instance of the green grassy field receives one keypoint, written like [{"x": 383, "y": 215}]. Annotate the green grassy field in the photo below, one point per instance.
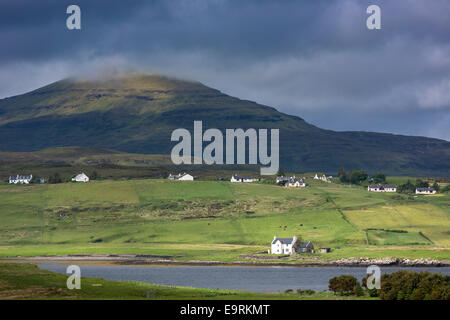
[
  {"x": 218, "y": 221},
  {"x": 27, "y": 281}
]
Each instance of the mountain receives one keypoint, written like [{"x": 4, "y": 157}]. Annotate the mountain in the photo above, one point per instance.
[
  {"x": 86, "y": 156},
  {"x": 136, "y": 113}
]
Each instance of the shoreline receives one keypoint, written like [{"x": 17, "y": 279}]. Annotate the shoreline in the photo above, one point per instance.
[{"x": 166, "y": 261}]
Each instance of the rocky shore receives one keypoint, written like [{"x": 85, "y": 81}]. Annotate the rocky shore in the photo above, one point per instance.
[
  {"x": 390, "y": 262},
  {"x": 251, "y": 260}
]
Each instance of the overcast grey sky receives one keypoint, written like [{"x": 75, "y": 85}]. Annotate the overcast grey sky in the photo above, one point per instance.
[{"x": 314, "y": 59}]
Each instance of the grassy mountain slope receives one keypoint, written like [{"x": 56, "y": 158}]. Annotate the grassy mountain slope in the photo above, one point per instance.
[{"x": 136, "y": 113}]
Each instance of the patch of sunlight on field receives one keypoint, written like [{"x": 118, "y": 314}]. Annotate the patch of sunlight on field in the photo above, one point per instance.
[
  {"x": 421, "y": 217},
  {"x": 91, "y": 193}
]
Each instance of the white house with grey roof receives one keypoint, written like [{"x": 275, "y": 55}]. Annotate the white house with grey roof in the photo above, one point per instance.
[
  {"x": 291, "y": 181},
  {"x": 236, "y": 178},
  {"x": 382, "y": 188},
  {"x": 290, "y": 246},
  {"x": 20, "y": 179},
  {"x": 283, "y": 245},
  {"x": 322, "y": 177},
  {"x": 294, "y": 182},
  {"x": 425, "y": 191}
]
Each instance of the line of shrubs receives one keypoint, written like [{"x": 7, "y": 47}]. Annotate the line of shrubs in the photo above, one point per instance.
[
  {"x": 387, "y": 230},
  {"x": 400, "y": 285},
  {"x": 306, "y": 292}
]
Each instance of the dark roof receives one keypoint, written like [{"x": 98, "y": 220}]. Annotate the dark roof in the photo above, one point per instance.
[
  {"x": 177, "y": 176},
  {"x": 283, "y": 240},
  {"x": 305, "y": 244},
  {"x": 425, "y": 189},
  {"x": 242, "y": 177},
  {"x": 18, "y": 177},
  {"x": 382, "y": 186}
]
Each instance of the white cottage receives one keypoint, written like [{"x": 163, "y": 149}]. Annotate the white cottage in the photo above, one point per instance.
[
  {"x": 186, "y": 177},
  {"x": 283, "y": 245},
  {"x": 425, "y": 191},
  {"x": 294, "y": 182},
  {"x": 290, "y": 246},
  {"x": 182, "y": 177},
  {"x": 82, "y": 177},
  {"x": 382, "y": 188},
  {"x": 236, "y": 178},
  {"x": 322, "y": 177},
  {"x": 20, "y": 179}
]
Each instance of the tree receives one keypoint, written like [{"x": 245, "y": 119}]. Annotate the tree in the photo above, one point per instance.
[
  {"x": 344, "y": 284},
  {"x": 55, "y": 178},
  {"x": 306, "y": 292},
  {"x": 407, "y": 187},
  {"x": 358, "y": 290},
  {"x": 353, "y": 176},
  {"x": 436, "y": 186},
  {"x": 342, "y": 175},
  {"x": 422, "y": 184},
  {"x": 333, "y": 284},
  {"x": 372, "y": 292},
  {"x": 94, "y": 175},
  {"x": 282, "y": 183},
  {"x": 357, "y": 176},
  {"x": 34, "y": 180},
  {"x": 280, "y": 171},
  {"x": 379, "y": 177},
  {"x": 409, "y": 285}
]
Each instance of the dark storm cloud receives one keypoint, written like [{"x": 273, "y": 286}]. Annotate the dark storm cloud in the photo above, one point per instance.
[{"x": 315, "y": 59}]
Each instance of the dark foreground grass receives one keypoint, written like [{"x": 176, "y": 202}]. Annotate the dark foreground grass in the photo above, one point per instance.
[{"x": 25, "y": 281}]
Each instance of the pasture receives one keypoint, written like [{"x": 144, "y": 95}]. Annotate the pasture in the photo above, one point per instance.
[{"x": 217, "y": 220}]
